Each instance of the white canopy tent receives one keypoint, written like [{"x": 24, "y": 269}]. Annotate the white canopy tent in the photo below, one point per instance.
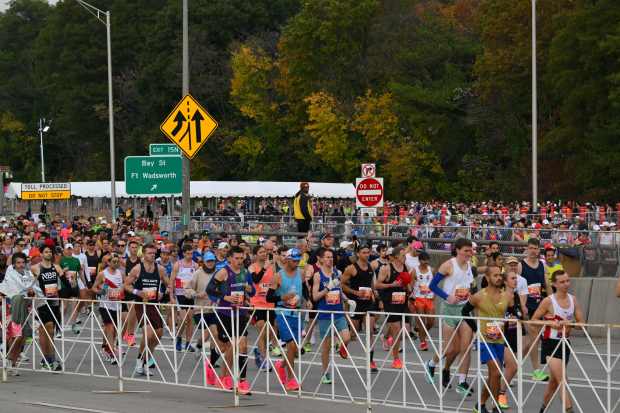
[{"x": 212, "y": 189}]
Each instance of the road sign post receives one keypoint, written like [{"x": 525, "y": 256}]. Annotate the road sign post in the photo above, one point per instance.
[
  {"x": 153, "y": 175},
  {"x": 369, "y": 192}
]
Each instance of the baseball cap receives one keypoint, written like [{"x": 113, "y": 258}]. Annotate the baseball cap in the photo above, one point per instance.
[
  {"x": 511, "y": 260},
  {"x": 68, "y": 245},
  {"x": 293, "y": 254},
  {"x": 326, "y": 235},
  {"x": 418, "y": 245},
  {"x": 204, "y": 233},
  {"x": 345, "y": 244},
  {"x": 208, "y": 256},
  {"x": 222, "y": 245}
]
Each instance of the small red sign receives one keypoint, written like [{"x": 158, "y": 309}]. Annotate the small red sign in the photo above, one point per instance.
[{"x": 369, "y": 192}]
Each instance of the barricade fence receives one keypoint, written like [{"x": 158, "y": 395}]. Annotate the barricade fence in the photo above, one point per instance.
[{"x": 352, "y": 360}]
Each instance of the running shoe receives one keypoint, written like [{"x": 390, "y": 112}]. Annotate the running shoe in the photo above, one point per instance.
[
  {"x": 430, "y": 372},
  {"x": 343, "y": 351},
  {"x": 258, "y": 359},
  {"x": 373, "y": 367},
  {"x": 276, "y": 352},
  {"x": 130, "y": 340},
  {"x": 539, "y": 375},
  {"x": 308, "y": 347},
  {"x": 28, "y": 340},
  {"x": 13, "y": 372},
  {"x": 502, "y": 400},
  {"x": 210, "y": 373},
  {"x": 243, "y": 387},
  {"x": 464, "y": 389},
  {"x": 445, "y": 378},
  {"x": 23, "y": 358},
  {"x": 480, "y": 409},
  {"x": 189, "y": 348},
  {"x": 139, "y": 369},
  {"x": 150, "y": 363},
  {"x": 397, "y": 364},
  {"x": 281, "y": 371},
  {"x": 105, "y": 356},
  {"x": 226, "y": 383},
  {"x": 179, "y": 344},
  {"x": 326, "y": 379},
  {"x": 75, "y": 329},
  {"x": 292, "y": 384},
  {"x": 423, "y": 346}
]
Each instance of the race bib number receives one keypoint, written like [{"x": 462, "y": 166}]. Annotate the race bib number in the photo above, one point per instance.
[
  {"x": 116, "y": 294},
  {"x": 424, "y": 289},
  {"x": 263, "y": 288},
  {"x": 178, "y": 283},
  {"x": 462, "y": 293},
  {"x": 51, "y": 290},
  {"x": 333, "y": 297},
  {"x": 533, "y": 290},
  {"x": 92, "y": 271},
  {"x": 366, "y": 293},
  {"x": 493, "y": 331},
  {"x": 150, "y": 293},
  {"x": 399, "y": 297}
]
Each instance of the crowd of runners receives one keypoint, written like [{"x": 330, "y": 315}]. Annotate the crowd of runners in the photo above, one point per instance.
[{"x": 221, "y": 287}]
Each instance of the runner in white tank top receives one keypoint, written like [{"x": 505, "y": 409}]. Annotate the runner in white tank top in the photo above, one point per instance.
[
  {"x": 182, "y": 273},
  {"x": 109, "y": 284},
  {"x": 559, "y": 311},
  {"x": 459, "y": 282}
]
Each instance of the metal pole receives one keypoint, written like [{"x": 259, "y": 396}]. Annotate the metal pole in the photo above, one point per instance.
[
  {"x": 534, "y": 115},
  {"x": 111, "y": 119},
  {"x": 41, "y": 147},
  {"x": 186, "y": 169},
  {"x": 1, "y": 193}
]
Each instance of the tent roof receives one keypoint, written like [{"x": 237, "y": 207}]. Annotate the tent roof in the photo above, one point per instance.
[{"x": 212, "y": 189}]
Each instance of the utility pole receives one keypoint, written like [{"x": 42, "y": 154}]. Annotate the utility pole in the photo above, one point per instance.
[{"x": 185, "y": 209}]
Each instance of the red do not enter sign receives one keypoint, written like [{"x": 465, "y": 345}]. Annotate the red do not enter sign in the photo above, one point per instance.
[{"x": 369, "y": 192}]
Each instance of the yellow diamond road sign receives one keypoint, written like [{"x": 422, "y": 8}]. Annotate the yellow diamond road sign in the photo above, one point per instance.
[{"x": 189, "y": 126}]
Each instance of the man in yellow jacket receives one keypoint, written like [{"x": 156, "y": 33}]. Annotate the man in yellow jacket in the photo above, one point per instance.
[{"x": 302, "y": 208}]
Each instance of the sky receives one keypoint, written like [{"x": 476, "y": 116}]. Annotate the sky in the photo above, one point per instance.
[{"x": 4, "y": 4}]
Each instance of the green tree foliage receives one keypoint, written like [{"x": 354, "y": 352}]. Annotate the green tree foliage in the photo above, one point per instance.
[{"x": 436, "y": 92}]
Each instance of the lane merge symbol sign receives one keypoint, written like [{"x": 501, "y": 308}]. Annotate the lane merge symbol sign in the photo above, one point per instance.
[
  {"x": 369, "y": 192},
  {"x": 189, "y": 126}
]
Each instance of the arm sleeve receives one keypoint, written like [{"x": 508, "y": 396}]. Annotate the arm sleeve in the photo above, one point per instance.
[
  {"x": 435, "y": 286},
  {"x": 272, "y": 296},
  {"x": 257, "y": 276},
  {"x": 466, "y": 313},
  {"x": 214, "y": 289}
]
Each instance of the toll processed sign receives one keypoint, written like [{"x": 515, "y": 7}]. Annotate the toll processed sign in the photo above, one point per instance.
[
  {"x": 189, "y": 126},
  {"x": 153, "y": 175},
  {"x": 45, "y": 191}
]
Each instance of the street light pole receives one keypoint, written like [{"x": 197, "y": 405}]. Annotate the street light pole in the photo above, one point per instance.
[
  {"x": 41, "y": 148},
  {"x": 534, "y": 115},
  {"x": 98, "y": 14},
  {"x": 185, "y": 200}
]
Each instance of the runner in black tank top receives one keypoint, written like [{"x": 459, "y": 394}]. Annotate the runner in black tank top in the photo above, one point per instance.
[
  {"x": 144, "y": 282},
  {"x": 129, "y": 310},
  {"x": 48, "y": 277},
  {"x": 358, "y": 284}
]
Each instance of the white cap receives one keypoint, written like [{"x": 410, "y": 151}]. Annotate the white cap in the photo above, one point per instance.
[
  {"x": 131, "y": 234},
  {"x": 596, "y": 227},
  {"x": 345, "y": 244},
  {"x": 605, "y": 224},
  {"x": 68, "y": 245},
  {"x": 612, "y": 224},
  {"x": 222, "y": 245},
  {"x": 2, "y": 219},
  {"x": 545, "y": 222}
]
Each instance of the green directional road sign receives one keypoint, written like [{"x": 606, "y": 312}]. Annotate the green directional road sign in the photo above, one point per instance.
[
  {"x": 164, "y": 149},
  {"x": 153, "y": 175}
]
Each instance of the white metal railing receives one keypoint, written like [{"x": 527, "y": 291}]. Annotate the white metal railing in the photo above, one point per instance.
[{"x": 592, "y": 378}]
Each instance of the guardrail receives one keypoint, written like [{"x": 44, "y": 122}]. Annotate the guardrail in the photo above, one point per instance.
[{"x": 591, "y": 376}]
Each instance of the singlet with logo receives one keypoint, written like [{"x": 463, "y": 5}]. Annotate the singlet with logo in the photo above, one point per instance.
[
  {"x": 148, "y": 283},
  {"x": 49, "y": 282},
  {"x": 459, "y": 282},
  {"x": 233, "y": 285},
  {"x": 259, "y": 300},
  {"x": 289, "y": 285},
  {"x": 184, "y": 276},
  {"x": 535, "y": 278},
  {"x": 422, "y": 289},
  {"x": 333, "y": 300},
  {"x": 559, "y": 314},
  {"x": 491, "y": 331},
  {"x": 114, "y": 291}
]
